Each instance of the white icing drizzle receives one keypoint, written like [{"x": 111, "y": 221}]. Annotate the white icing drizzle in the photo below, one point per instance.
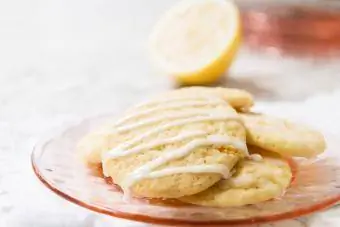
[
  {"x": 151, "y": 145},
  {"x": 163, "y": 117},
  {"x": 217, "y": 168},
  {"x": 166, "y": 106},
  {"x": 256, "y": 157},
  {"x": 145, "y": 170},
  {"x": 198, "y": 139},
  {"x": 161, "y": 128}
]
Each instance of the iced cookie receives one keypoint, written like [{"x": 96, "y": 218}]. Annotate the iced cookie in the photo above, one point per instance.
[
  {"x": 281, "y": 136},
  {"x": 237, "y": 98},
  {"x": 253, "y": 182},
  {"x": 170, "y": 147}
]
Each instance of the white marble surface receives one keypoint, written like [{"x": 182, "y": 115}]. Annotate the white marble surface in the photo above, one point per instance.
[{"x": 65, "y": 60}]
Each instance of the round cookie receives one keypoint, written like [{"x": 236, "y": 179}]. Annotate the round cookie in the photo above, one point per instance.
[
  {"x": 282, "y": 136},
  {"x": 237, "y": 98},
  {"x": 201, "y": 135},
  {"x": 253, "y": 182},
  {"x": 90, "y": 149}
]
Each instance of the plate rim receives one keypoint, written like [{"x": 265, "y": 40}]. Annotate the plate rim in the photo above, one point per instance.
[{"x": 37, "y": 149}]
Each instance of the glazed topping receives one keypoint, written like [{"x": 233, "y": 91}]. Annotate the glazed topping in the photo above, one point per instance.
[
  {"x": 196, "y": 138},
  {"x": 256, "y": 157}
]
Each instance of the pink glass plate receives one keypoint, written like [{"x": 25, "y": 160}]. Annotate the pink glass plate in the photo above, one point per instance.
[{"x": 316, "y": 186}]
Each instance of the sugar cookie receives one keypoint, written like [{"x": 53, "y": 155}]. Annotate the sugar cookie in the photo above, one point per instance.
[
  {"x": 237, "y": 98},
  {"x": 252, "y": 182},
  {"x": 282, "y": 136},
  {"x": 169, "y": 147}
]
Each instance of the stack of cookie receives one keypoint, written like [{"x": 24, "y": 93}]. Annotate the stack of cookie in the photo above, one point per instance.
[{"x": 201, "y": 146}]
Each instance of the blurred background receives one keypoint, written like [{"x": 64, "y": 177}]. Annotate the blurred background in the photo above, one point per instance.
[
  {"x": 71, "y": 43},
  {"x": 61, "y": 61}
]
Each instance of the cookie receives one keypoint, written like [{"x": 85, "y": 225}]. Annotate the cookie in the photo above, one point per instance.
[
  {"x": 90, "y": 147},
  {"x": 237, "y": 98},
  {"x": 90, "y": 151},
  {"x": 171, "y": 148},
  {"x": 253, "y": 182},
  {"x": 282, "y": 136}
]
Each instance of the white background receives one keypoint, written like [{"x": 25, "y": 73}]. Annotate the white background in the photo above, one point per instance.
[{"x": 63, "y": 60}]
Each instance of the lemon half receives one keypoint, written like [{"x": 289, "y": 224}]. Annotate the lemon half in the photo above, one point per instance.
[{"x": 196, "y": 40}]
